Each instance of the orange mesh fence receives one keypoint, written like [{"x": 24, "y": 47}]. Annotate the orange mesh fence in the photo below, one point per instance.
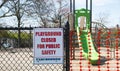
[
  {"x": 117, "y": 48},
  {"x": 106, "y": 61},
  {"x": 108, "y": 49},
  {"x": 71, "y": 48},
  {"x": 98, "y": 48}
]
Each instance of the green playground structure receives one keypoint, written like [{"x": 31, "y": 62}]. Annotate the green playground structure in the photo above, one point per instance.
[{"x": 82, "y": 27}]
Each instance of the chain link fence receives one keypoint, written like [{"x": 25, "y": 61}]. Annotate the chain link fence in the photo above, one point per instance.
[{"x": 20, "y": 58}]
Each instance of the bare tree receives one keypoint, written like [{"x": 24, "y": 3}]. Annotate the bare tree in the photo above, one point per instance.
[
  {"x": 44, "y": 10},
  {"x": 40, "y": 9},
  {"x": 61, "y": 10},
  {"x": 15, "y": 8},
  {"x": 47, "y": 11},
  {"x": 3, "y": 3},
  {"x": 18, "y": 9},
  {"x": 103, "y": 18}
]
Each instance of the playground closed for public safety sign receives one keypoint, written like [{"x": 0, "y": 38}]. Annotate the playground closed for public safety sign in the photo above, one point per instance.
[{"x": 48, "y": 45}]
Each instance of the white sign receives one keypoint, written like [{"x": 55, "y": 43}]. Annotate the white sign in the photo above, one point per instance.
[{"x": 48, "y": 45}]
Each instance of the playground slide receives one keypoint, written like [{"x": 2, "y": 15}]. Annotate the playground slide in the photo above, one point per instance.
[{"x": 88, "y": 51}]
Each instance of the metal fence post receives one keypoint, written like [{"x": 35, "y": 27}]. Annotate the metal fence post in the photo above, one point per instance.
[
  {"x": 67, "y": 47},
  {"x": 18, "y": 38}
]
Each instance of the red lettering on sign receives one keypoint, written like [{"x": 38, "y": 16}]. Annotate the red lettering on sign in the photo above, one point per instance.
[
  {"x": 40, "y": 46},
  {"x": 52, "y": 45},
  {"x": 48, "y": 52},
  {"x": 48, "y": 39},
  {"x": 48, "y": 34}
]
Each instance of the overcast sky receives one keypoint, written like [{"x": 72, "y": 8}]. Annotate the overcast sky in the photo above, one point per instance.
[{"x": 108, "y": 7}]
